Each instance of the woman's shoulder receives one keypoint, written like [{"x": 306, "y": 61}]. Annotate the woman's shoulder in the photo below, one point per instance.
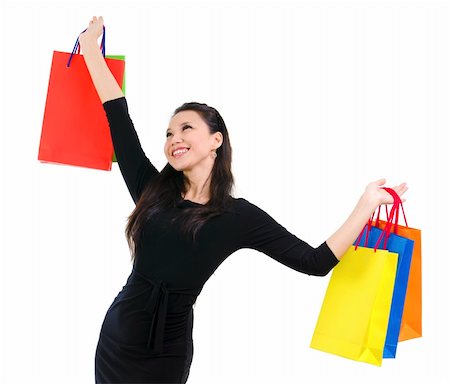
[
  {"x": 243, "y": 206},
  {"x": 251, "y": 212}
]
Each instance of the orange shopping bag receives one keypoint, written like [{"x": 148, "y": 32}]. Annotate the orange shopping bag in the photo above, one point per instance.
[
  {"x": 75, "y": 129},
  {"x": 411, "y": 326}
]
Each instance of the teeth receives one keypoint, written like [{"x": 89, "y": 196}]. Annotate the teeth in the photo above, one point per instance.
[{"x": 178, "y": 151}]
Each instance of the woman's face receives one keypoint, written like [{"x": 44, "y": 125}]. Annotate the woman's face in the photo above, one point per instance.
[{"x": 188, "y": 130}]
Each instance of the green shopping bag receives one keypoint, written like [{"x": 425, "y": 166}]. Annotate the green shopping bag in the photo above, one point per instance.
[{"x": 118, "y": 57}]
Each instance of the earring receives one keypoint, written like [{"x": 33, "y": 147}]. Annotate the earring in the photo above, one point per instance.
[{"x": 214, "y": 154}]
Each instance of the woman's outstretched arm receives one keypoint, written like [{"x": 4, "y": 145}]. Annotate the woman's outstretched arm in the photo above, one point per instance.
[
  {"x": 374, "y": 195},
  {"x": 258, "y": 230},
  {"x": 104, "y": 81}
]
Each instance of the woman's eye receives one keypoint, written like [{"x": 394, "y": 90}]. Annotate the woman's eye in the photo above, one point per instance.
[{"x": 186, "y": 126}]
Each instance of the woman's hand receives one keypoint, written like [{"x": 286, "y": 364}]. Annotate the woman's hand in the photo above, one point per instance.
[
  {"x": 94, "y": 30},
  {"x": 374, "y": 192},
  {"x": 104, "y": 81},
  {"x": 373, "y": 196}
]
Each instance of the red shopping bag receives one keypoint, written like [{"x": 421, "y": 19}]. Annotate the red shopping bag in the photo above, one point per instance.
[{"x": 75, "y": 129}]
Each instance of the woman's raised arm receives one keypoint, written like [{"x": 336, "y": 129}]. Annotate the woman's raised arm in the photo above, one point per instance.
[{"x": 104, "y": 81}]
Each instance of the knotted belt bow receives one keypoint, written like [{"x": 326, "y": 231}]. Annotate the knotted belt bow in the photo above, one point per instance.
[{"x": 157, "y": 306}]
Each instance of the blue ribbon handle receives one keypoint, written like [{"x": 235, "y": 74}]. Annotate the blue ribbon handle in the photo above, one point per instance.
[{"x": 77, "y": 46}]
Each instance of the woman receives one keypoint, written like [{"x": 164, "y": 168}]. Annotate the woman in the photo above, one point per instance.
[{"x": 184, "y": 225}]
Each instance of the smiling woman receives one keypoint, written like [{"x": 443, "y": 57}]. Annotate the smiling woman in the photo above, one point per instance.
[
  {"x": 202, "y": 174},
  {"x": 192, "y": 131},
  {"x": 184, "y": 225}
]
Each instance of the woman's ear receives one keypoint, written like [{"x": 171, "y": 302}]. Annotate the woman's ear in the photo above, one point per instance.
[{"x": 218, "y": 138}]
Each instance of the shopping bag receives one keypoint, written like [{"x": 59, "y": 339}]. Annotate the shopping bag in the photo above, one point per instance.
[
  {"x": 354, "y": 316},
  {"x": 75, "y": 130},
  {"x": 403, "y": 247},
  {"x": 411, "y": 325}
]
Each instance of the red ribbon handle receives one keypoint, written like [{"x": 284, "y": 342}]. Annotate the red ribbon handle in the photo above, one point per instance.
[
  {"x": 377, "y": 222},
  {"x": 392, "y": 218}
]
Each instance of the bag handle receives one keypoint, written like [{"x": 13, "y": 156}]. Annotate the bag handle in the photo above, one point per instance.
[
  {"x": 77, "y": 46},
  {"x": 390, "y": 220},
  {"x": 377, "y": 222}
]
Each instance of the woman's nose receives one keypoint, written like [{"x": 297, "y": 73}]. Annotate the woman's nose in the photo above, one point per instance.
[{"x": 176, "y": 137}]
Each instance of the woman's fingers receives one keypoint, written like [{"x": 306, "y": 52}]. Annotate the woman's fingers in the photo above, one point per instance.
[
  {"x": 380, "y": 181},
  {"x": 95, "y": 20},
  {"x": 95, "y": 27},
  {"x": 401, "y": 189},
  {"x": 375, "y": 188}
]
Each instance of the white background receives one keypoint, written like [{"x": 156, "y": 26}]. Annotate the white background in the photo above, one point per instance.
[{"x": 320, "y": 98}]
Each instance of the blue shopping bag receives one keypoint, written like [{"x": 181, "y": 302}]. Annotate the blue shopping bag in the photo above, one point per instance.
[{"x": 404, "y": 248}]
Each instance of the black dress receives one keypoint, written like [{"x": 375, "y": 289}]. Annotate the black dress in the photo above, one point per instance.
[{"x": 146, "y": 336}]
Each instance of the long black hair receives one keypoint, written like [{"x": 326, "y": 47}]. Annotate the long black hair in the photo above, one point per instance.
[{"x": 166, "y": 188}]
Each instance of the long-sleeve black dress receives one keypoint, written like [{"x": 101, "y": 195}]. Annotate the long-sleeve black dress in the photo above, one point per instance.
[{"x": 146, "y": 336}]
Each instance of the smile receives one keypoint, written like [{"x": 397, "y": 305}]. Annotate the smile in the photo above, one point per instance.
[{"x": 180, "y": 152}]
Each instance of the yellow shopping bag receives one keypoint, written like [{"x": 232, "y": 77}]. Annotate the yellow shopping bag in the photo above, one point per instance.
[
  {"x": 354, "y": 317},
  {"x": 355, "y": 312}
]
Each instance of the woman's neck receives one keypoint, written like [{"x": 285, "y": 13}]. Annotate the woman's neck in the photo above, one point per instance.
[{"x": 197, "y": 188}]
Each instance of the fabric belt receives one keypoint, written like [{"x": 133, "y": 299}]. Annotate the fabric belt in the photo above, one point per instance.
[{"x": 156, "y": 305}]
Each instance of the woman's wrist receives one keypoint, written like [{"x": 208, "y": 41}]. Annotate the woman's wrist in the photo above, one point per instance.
[
  {"x": 87, "y": 40},
  {"x": 369, "y": 201},
  {"x": 89, "y": 47},
  {"x": 349, "y": 231}
]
